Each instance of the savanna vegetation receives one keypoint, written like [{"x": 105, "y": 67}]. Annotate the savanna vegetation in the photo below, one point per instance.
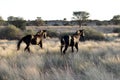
[
  {"x": 98, "y": 60},
  {"x": 98, "y": 57}
]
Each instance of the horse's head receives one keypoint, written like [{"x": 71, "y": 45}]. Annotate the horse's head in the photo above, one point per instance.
[
  {"x": 80, "y": 32},
  {"x": 82, "y": 35},
  {"x": 44, "y": 33}
]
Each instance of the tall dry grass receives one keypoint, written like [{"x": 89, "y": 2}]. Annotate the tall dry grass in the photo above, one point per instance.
[{"x": 98, "y": 60}]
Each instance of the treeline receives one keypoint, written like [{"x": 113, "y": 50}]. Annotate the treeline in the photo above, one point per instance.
[
  {"x": 19, "y": 22},
  {"x": 15, "y": 28}
]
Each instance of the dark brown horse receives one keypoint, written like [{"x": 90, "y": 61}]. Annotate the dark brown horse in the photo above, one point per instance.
[
  {"x": 33, "y": 39},
  {"x": 71, "y": 40}
]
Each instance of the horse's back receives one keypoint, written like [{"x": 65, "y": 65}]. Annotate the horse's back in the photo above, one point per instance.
[
  {"x": 66, "y": 39},
  {"x": 27, "y": 38}
]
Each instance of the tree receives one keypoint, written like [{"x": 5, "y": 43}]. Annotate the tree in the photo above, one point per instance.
[
  {"x": 11, "y": 18},
  {"x": 1, "y": 21},
  {"x": 64, "y": 19},
  {"x": 65, "y": 22},
  {"x": 39, "y": 21},
  {"x": 116, "y": 19},
  {"x": 80, "y": 16},
  {"x": 17, "y": 21}
]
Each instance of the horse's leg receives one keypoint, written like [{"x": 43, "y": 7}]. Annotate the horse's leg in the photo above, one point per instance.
[
  {"x": 66, "y": 46},
  {"x": 76, "y": 46},
  {"x": 61, "y": 48},
  {"x": 72, "y": 47},
  {"x": 72, "y": 44},
  {"x": 27, "y": 48},
  {"x": 41, "y": 45}
]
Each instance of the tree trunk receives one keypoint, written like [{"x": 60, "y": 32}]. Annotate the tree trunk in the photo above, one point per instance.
[{"x": 80, "y": 23}]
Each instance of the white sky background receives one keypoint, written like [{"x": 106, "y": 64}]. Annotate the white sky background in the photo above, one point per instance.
[{"x": 59, "y": 9}]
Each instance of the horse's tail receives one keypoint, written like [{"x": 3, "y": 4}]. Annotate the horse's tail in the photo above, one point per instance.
[{"x": 19, "y": 42}]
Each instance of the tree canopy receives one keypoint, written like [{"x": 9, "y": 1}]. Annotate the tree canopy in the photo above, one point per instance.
[
  {"x": 80, "y": 16},
  {"x": 116, "y": 19}
]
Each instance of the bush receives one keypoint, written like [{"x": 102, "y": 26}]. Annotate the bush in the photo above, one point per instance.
[
  {"x": 30, "y": 31},
  {"x": 52, "y": 34},
  {"x": 10, "y": 32},
  {"x": 116, "y": 30},
  {"x": 118, "y": 34},
  {"x": 57, "y": 34},
  {"x": 66, "y": 33},
  {"x": 92, "y": 34},
  {"x": 19, "y": 24}
]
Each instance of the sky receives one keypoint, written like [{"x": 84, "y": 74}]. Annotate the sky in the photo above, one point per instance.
[{"x": 59, "y": 9}]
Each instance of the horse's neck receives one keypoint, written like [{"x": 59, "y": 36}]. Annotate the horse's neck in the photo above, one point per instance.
[
  {"x": 39, "y": 36},
  {"x": 77, "y": 36}
]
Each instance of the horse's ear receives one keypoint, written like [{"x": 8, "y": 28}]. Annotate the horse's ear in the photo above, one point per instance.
[
  {"x": 44, "y": 30},
  {"x": 81, "y": 30},
  {"x": 78, "y": 32}
]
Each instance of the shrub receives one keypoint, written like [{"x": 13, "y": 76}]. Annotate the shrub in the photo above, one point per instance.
[
  {"x": 57, "y": 34},
  {"x": 52, "y": 33},
  {"x": 116, "y": 30},
  {"x": 10, "y": 32},
  {"x": 66, "y": 33},
  {"x": 92, "y": 34},
  {"x": 119, "y": 35},
  {"x": 19, "y": 24},
  {"x": 30, "y": 31}
]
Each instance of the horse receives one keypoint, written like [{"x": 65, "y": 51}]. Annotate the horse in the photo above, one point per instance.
[
  {"x": 71, "y": 40},
  {"x": 32, "y": 39}
]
